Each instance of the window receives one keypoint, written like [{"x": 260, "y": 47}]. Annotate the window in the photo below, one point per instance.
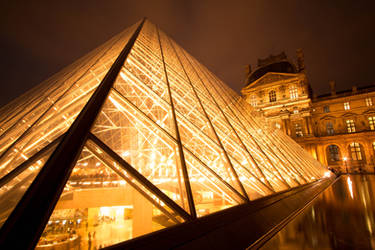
[
  {"x": 329, "y": 127},
  {"x": 350, "y": 126},
  {"x": 333, "y": 151},
  {"x": 326, "y": 109},
  {"x": 295, "y": 111},
  {"x": 293, "y": 92},
  {"x": 371, "y": 122},
  {"x": 272, "y": 95},
  {"x": 253, "y": 100},
  {"x": 346, "y": 105},
  {"x": 368, "y": 102},
  {"x": 355, "y": 151},
  {"x": 298, "y": 128}
]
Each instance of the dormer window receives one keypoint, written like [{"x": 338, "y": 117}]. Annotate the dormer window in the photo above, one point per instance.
[{"x": 272, "y": 96}]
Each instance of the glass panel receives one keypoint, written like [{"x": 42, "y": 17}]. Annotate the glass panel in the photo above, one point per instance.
[
  {"x": 232, "y": 113},
  {"x": 142, "y": 82},
  {"x": 254, "y": 187},
  {"x": 116, "y": 166},
  {"x": 184, "y": 98},
  {"x": 254, "y": 141},
  {"x": 230, "y": 141},
  {"x": 141, "y": 143},
  {"x": 206, "y": 150},
  {"x": 191, "y": 119},
  {"x": 120, "y": 210},
  {"x": 210, "y": 194},
  {"x": 49, "y": 92},
  {"x": 58, "y": 118},
  {"x": 12, "y": 191}
]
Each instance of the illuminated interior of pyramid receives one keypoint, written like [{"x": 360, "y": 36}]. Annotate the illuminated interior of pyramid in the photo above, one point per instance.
[{"x": 171, "y": 143}]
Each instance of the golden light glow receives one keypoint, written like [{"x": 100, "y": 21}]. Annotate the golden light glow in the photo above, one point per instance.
[
  {"x": 350, "y": 186},
  {"x": 171, "y": 120}
]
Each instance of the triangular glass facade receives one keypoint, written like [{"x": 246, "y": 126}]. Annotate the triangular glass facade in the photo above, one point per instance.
[{"x": 170, "y": 142}]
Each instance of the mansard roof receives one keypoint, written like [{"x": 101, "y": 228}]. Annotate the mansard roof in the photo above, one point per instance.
[
  {"x": 272, "y": 77},
  {"x": 283, "y": 66}
]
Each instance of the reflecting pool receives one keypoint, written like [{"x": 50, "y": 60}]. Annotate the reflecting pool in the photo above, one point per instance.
[{"x": 342, "y": 217}]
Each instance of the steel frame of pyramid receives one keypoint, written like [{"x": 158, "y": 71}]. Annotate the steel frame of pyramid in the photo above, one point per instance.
[{"x": 150, "y": 108}]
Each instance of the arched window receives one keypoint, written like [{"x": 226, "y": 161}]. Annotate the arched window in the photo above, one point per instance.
[
  {"x": 333, "y": 154},
  {"x": 293, "y": 92},
  {"x": 355, "y": 151},
  {"x": 272, "y": 95}
]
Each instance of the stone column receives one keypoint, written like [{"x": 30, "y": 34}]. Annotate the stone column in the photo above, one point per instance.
[
  {"x": 287, "y": 126},
  {"x": 308, "y": 124},
  {"x": 305, "y": 127},
  {"x": 314, "y": 152},
  {"x": 367, "y": 152},
  {"x": 321, "y": 154}
]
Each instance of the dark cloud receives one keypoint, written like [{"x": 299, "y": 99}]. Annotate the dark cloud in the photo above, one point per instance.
[{"x": 37, "y": 38}]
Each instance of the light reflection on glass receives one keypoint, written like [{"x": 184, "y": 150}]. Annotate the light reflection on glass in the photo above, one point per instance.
[{"x": 171, "y": 120}]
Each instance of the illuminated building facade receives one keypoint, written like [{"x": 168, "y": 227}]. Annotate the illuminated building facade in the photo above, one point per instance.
[
  {"x": 132, "y": 138},
  {"x": 336, "y": 128}
]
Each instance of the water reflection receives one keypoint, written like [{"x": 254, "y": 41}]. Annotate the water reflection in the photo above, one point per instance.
[{"x": 342, "y": 217}]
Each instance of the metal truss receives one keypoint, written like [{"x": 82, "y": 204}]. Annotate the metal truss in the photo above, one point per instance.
[{"x": 141, "y": 121}]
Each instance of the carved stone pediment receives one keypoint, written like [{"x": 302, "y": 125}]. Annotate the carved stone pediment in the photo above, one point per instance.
[
  {"x": 370, "y": 111},
  {"x": 328, "y": 117},
  {"x": 284, "y": 112},
  {"x": 347, "y": 115}
]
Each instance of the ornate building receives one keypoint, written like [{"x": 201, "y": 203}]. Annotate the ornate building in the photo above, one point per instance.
[{"x": 336, "y": 128}]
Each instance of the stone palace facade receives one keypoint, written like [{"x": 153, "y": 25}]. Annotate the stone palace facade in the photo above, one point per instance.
[{"x": 337, "y": 128}]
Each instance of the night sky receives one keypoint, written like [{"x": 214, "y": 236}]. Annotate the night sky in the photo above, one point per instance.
[{"x": 338, "y": 37}]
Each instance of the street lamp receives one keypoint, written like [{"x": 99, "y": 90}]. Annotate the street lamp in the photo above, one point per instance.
[{"x": 346, "y": 165}]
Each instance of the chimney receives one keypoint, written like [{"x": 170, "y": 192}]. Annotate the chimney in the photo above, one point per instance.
[
  {"x": 300, "y": 60},
  {"x": 354, "y": 89},
  {"x": 332, "y": 85}
]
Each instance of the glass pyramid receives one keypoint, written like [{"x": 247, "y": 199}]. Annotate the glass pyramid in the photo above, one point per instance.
[{"x": 134, "y": 137}]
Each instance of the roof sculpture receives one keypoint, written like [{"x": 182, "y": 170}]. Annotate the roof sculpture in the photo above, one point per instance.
[{"x": 134, "y": 137}]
